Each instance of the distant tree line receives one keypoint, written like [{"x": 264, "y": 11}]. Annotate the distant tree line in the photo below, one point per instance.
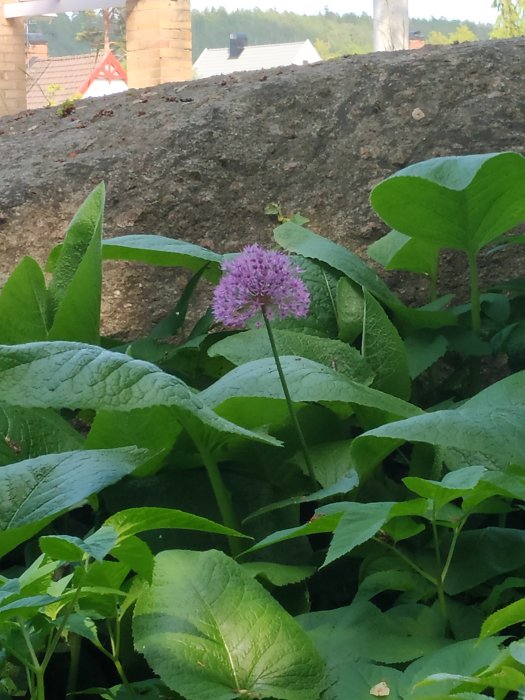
[{"x": 333, "y": 35}]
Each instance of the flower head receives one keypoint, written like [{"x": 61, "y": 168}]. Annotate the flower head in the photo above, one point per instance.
[{"x": 256, "y": 281}]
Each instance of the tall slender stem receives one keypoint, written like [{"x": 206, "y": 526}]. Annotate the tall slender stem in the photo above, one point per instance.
[
  {"x": 408, "y": 561},
  {"x": 475, "y": 307},
  {"x": 75, "y": 641},
  {"x": 291, "y": 409},
  {"x": 221, "y": 493},
  {"x": 38, "y": 693}
]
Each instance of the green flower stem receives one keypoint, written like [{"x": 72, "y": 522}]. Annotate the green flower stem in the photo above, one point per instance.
[
  {"x": 291, "y": 409},
  {"x": 38, "y": 693},
  {"x": 52, "y": 645},
  {"x": 75, "y": 642},
  {"x": 475, "y": 306},
  {"x": 221, "y": 493},
  {"x": 451, "y": 550}
]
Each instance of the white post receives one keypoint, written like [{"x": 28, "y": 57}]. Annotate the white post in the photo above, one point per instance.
[{"x": 390, "y": 25}]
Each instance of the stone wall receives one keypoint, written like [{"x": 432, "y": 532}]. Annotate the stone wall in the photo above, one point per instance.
[{"x": 201, "y": 160}]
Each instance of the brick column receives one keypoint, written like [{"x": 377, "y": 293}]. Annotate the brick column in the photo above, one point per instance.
[
  {"x": 12, "y": 65},
  {"x": 158, "y": 41}
]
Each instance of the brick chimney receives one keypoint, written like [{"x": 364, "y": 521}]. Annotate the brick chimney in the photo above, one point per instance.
[
  {"x": 158, "y": 40},
  {"x": 238, "y": 43}
]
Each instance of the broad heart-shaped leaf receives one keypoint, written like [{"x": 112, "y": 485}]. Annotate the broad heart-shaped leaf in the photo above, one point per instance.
[
  {"x": 37, "y": 490},
  {"x": 297, "y": 239},
  {"x": 31, "y": 432},
  {"x": 74, "y": 293},
  {"x": 211, "y": 632},
  {"x": 384, "y": 350},
  {"x": 460, "y": 202},
  {"x": 396, "y": 251},
  {"x": 254, "y": 345},
  {"x": 307, "y": 381},
  {"x": 23, "y": 304},
  {"x": 161, "y": 250},
  {"x": 74, "y": 375},
  {"x": 489, "y": 428}
]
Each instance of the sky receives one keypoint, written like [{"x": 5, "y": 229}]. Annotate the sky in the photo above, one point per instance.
[{"x": 475, "y": 10}]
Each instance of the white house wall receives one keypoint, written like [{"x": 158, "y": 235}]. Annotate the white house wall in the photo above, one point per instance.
[
  {"x": 307, "y": 54},
  {"x": 99, "y": 88}
]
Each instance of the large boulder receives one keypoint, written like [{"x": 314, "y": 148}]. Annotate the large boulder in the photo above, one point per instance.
[{"x": 201, "y": 160}]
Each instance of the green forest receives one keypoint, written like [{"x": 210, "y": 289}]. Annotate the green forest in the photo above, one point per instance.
[{"x": 332, "y": 34}]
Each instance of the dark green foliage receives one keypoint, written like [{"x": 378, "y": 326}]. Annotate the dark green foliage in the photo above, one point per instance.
[{"x": 162, "y": 534}]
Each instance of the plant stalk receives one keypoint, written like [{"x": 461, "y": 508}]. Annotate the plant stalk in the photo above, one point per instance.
[
  {"x": 408, "y": 561},
  {"x": 221, "y": 493},
  {"x": 291, "y": 409},
  {"x": 475, "y": 305},
  {"x": 75, "y": 642}
]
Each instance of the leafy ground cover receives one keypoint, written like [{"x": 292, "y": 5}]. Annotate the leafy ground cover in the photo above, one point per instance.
[{"x": 321, "y": 504}]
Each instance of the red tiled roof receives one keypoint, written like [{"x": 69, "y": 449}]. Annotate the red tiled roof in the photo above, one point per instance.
[{"x": 53, "y": 80}]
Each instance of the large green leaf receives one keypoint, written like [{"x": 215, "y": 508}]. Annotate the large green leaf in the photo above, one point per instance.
[
  {"x": 465, "y": 657},
  {"x": 211, "y": 632},
  {"x": 74, "y": 293},
  {"x": 154, "y": 428},
  {"x": 460, "y": 202},
  {"x": 298, "y": 239},
  {"x": 254, "y": 345},
  {"x": 307, "y": 381},
  {"x": 23, "y": 304},
  {"x": 489, "y": 428},
  {"x": 160, "y": 250},
  {"x": 361, "y": 630},
  {"x": 31, "y": 432},
  {"x": 481, "y": 555},
  {"x": 37, "y": 490},
  {"x": 321, "y": 282},
  {"x": 350, "y": 310},
  {"x": 384, "y": 351},
  {"x": 396, "y": 251},
  {"x": 74, "y": 375},
  {"x": 302, "y": 241}
]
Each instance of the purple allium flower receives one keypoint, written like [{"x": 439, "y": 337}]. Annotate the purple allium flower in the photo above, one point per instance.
[{"x": 259, "y": 280}]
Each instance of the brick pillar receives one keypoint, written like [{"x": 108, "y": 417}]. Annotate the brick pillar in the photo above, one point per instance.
[
  {"x": 12, "y": 65},
  {"x": 158, "y": 41}
]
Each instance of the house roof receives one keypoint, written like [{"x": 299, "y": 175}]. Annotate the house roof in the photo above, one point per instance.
[
  {"x": 218, "y": 61},
  {"x": 53, "y": 80}
]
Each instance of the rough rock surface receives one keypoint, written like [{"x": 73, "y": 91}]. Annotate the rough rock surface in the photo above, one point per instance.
[{"x": 200, "y": 161}]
